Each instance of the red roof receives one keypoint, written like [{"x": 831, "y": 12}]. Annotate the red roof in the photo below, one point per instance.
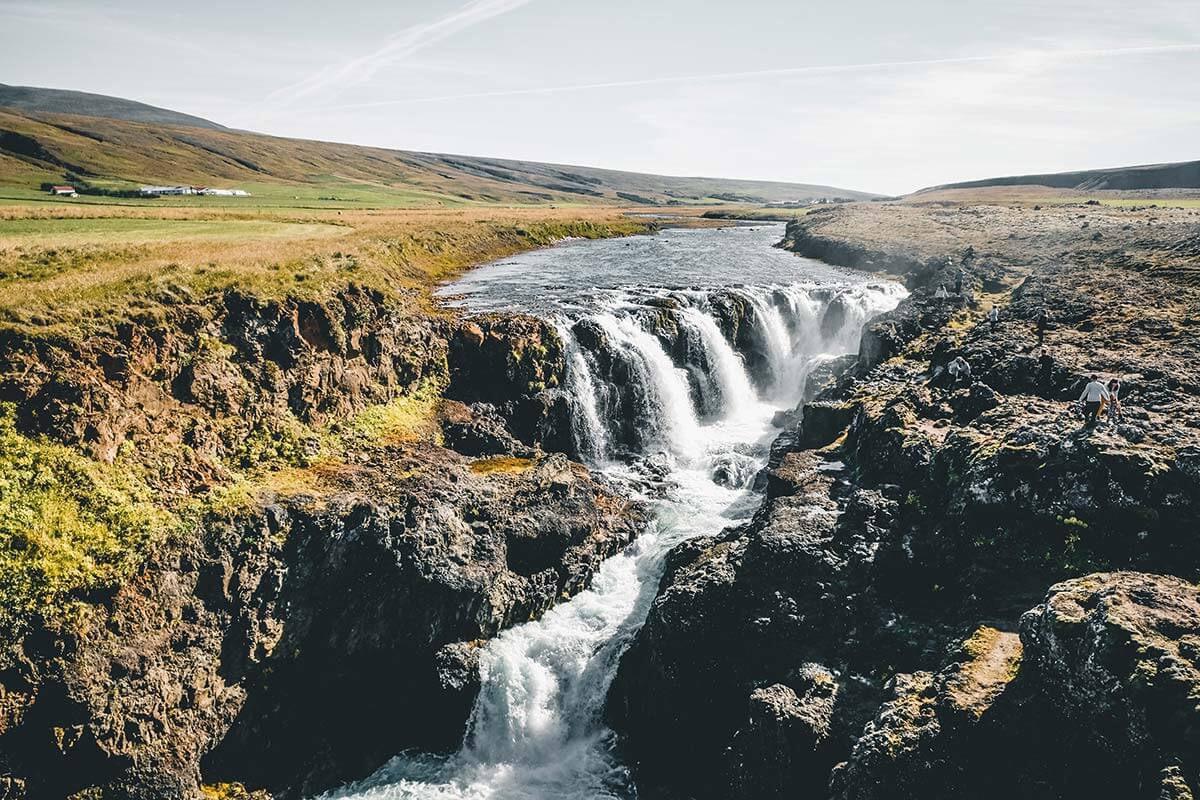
[{"x": 65, "y": 188}]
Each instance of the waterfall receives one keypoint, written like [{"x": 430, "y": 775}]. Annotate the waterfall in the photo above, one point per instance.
[
  {"x": 692, "y": 373},
  {"x": 644, "y": 372},
  {"x": 589, "y": 432},
  {"x": 729, "y": 372}
]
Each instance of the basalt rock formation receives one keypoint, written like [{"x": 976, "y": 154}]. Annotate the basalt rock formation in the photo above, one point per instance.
[
  {"x": 357, "y": 536},
  {"x": 869, "y": 634}
]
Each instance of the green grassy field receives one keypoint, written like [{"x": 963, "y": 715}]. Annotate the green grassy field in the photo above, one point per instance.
[
  {"x": 69, "y": 268},
  {"x": 331, "y": 194},
  {"x": 68, "y": 232}
]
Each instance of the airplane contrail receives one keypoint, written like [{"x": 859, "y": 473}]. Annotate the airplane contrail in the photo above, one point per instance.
[
  {"x": 763, "y": 73},
  {"x": 399, "y": 45}
]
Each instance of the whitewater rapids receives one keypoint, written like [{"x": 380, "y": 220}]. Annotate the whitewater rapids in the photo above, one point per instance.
[{"x": 678, "y": 375}]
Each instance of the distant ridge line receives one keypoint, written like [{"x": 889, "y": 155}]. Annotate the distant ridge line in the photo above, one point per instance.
[
  {"x": 1175, "y": 175},
  {"x": 33, "y": 99}
]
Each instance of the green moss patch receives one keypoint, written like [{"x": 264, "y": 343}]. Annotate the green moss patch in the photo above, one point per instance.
[{"x": 68, "y": 526}]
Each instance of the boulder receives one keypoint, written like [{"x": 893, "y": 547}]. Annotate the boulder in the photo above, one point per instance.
[
  {"x": 1117, "y": 658},
  {"x": 774, "y": 753}
]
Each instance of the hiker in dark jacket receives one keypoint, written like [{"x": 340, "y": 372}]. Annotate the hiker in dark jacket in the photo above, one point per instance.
[
  {"x": 1113, "y": 407},
  {"x": 1042, "y": 320}
]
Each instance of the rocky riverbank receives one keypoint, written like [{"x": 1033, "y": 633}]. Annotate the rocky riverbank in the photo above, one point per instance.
[
  {"x": 956, "y": 591},
  {"x": 265, "y": 535}
]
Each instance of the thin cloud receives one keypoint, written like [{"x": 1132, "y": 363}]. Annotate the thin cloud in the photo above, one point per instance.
[
  {"x": 399, "y": 45},
  {"x": 778, "y": 72},
  {"x": 106, "y": 24}
]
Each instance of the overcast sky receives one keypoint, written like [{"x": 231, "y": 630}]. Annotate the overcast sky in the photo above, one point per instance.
[{"x": 880, "y": 95}]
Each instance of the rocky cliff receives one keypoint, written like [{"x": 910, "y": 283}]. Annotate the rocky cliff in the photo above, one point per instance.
[
  {"x": 869, "y": 633},
  {"x": 352, "y": 497}
]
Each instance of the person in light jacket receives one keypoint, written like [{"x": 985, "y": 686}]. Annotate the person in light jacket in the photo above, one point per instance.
[
  {"x": 1093, "y": 395},
  {"x": 960, "y": 371}
]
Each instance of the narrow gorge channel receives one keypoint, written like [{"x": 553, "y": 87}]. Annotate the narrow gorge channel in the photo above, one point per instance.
[{"x": 685, "y": 352}]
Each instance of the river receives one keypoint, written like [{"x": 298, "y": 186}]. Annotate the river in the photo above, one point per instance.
[{"x": 681, "y": 348}]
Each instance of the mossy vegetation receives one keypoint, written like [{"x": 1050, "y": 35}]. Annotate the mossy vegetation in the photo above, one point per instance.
[
  {"x": 412, "y": 417},
  {"x": 230, "y": 791},
  {"x": 992, "y": 659},
  {"x": 293, "y": 459},
  {"x": 68, "y": 526}
]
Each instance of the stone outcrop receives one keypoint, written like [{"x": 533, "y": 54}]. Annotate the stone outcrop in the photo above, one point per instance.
[
  {"x": 515, "y": 363},
  {"x": 1096, "y": 699},
  {"x": 301, "y": 645},
  {"x": 1116, "y": 659},
  {"x": 189, "y": 391}
]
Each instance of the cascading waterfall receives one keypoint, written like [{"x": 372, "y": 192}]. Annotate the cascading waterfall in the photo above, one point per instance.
[
  {"x": 589, "y": 431},
  {"x": 688, "y": 379},
  {"x": 736, "y": 393},
  {"x": 668, "y": 411},
  {"x": 648, "y": 367}
]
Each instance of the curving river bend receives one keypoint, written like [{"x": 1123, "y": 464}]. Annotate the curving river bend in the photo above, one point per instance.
[{"x": 681, "y": 349}]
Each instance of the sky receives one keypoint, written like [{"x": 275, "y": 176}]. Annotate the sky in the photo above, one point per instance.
[{"x": 877, "y": 95}]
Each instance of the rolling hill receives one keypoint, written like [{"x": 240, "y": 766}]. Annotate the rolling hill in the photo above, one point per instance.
[
  {"x": 1179, "y": 175},
  {"x": 65, "y": 101},
  {"x": 109, "y": 143}
]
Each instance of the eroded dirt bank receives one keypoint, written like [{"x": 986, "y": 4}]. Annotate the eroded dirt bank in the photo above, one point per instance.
[{"x": 957, "y": 590}]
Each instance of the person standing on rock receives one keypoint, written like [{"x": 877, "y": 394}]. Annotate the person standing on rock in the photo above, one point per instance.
[
  {"x": 1114, "y": 402},
  {"x": 1043, "y": 319},
  {"x": 958, "y": 281},
  {"x": 994, "y": 317},
  {"x": 959, "y": 370},
  {"x": 1093, "y": 395}
]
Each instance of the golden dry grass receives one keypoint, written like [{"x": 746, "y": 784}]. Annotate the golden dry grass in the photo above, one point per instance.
[
  {"x": 49, "y": 281},
  {"x": 502, "y": 465}
]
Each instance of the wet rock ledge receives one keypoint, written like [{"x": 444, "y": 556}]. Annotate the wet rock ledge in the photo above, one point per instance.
[{"x": 956, "y": 591}]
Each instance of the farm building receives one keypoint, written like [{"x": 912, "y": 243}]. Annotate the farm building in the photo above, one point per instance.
[
  {"x": 68, "y": 191},
  {"x": 201, "y": 190},
  {"x": 167, "y": 190}
]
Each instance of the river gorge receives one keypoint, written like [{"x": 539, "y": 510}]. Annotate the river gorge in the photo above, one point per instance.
[
  {"x": 682, "y": 349},
  {"x": 690, "y": 514}
]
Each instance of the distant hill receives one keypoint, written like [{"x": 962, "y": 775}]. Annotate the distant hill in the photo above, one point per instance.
[
  {"x": 63, "y": 101},
  {"x": 1179, "y": 175},
  {"x": 46, "y": 135}
]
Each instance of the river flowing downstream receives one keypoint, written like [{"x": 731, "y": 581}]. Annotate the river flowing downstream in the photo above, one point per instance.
[{"x": 681, "y": 348}]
